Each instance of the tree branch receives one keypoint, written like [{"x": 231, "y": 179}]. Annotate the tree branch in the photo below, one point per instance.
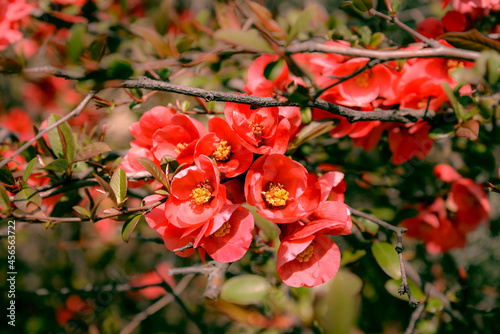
[
  {"x": 399, "y": 249},
  {"x": 73, "y": 113},
  {"x": 352, "y": 115}
]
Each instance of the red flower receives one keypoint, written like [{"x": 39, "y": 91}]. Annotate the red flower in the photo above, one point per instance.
[
  {"x": 306, "y": 256},
  {"x": 196, "y": 195},
  {"x": 18, "y": 121},
  {"x": 281, "y": 189},
  {"x": 431, "y": 27},
  {"x": 410, "y": 141},
  {"x": 157, "y": 276},
  {"x": 178, "y": 139},
  {"x": 262, "y": 130},
  {"x": 150, "y": 121},
  {"x": 258, "y": 84},
  {"x": 225, "y": 146},
  {"x": 226, "y": 238}
]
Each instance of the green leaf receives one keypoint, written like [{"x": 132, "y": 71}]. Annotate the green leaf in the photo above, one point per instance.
[
  {"x": 249, "y": 40},
  {"x": 27, "y": 200},
  {"x": 91, "y": 151},
  {"x": 29, "y": 169},
  {"x": 457, "y": 107},
  {"x": 392, "y": 286},
  {"x": 170, "y": 162},
  {"x": 119, "y": 185},
  {"x": 75, "y": 44},
  {"x": 488, "y": 65},
  {"x": 311, "y": 131},
  {"x": 395, "y": 5},
  {"x": 350, "y": 257},
  {"x": 61, "y": 150},
  {"x": 303, "y": 21},
  {"x": 119, "y": 69},
  {"x": 6, "y": 175},
  {"x": 154, "y": 170},
  {"x": 471, "y": 40},
  {"x": 107, "y": 188},
  {"x": 153, "y": 37},
  {"x": 58, "y": 166},
  {"x": 387, "y": 258},
  {"x": 434, "y": 305},
  {"x": 82, "y": 211},
  {"x": 273, "y": 69},
  {"x": 363, "y": 5},
  {"x": 4, "y": 199},
  {"x": 130, "y": 225},
  {"x": 98, "y": 47},
  {"x": 245, "y": 289}
]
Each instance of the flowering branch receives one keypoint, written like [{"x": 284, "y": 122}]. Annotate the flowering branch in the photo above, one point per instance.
[{"x": 399, "y": 249}]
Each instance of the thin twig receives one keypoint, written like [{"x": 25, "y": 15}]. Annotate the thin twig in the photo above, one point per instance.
[
  {"x": 396, "y": 21},
  {"x": 414, "y": 318},
  {"x": 399, "y": 249},
  {"x": 215, "y": 272},
  {"x": 158, "y": 305},
  {"x": 73, "y": 113}
]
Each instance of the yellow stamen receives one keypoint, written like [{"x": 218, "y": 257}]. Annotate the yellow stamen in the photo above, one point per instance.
[
  {"x": 223, "y": 230},
  {"x": 257, "y": 129},
  {"x": 276, "y": 196},
  {"x": 180, "y": 147},
  {"x": 306, "y": 254},
  {"x": 451, "y": 64},
  {"x": 422, "y": 104},
  {"x": 201, "y": 194},
  {"x": 363, "y": 79},
  {"x": 222, "y": 152}
]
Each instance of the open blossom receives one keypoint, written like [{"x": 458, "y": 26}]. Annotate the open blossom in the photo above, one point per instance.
[
  {"x": 257, "y": 83},
  {"x": 281, "y": 189},
  {"x": 196, "y": 194},
  {"x": 262, "y": 130},
  {"x": 150, "y": 121},
  {"x": 226, "y": 147}
]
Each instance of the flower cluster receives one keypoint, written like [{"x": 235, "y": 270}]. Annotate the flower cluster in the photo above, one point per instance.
[
  {"x": 204, "y": 208},
  {"x": 414, "y": 84},
  {"x": 444, "y": 224},
  {"x": 13, "y": 11}
]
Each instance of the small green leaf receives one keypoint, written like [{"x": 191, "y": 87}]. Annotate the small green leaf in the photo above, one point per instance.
[
  {"x": 29, "y": 169},
  {"x": 395, "y": 5},
  {"x": 82, "y": 211},
  {"x": 249, "y": 40},
  {"x": 245, "y": 289},
  {"x": 130, "y": 225},
  {"x": 170, "y": 162},
  {"x": 154, "y": 170},
  {"x": 119, "y": 69},
  {"x": 75, "y": 45},
  {"x": 107, "y": 188},
  {"x": 6, "y": 175},
  {"x": 27, "y": 200},
  {"x": 457, "y": 107},
  {"x": 392, "y": 286},
  {"x": 58, "y": 166},
  {"x": 387, "y": 258},
  {"x": 303, "y": 21},
  {"x": 4, "y": 199},
  {"x": 56, "y": 140},
  {"x": 350, "y": 257},
  {"x": 273, "y": 69},
  {"x": 91, "y": 151},
  {"x": 363, "y": 5},
  {"x": 119, "y": 185},
  {"x": 434, "y": 305}
]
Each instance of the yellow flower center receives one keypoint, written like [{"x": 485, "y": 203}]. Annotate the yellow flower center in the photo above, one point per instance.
[
  {"x": 306, "y": 254},
  {"x": 201, "y": 194},
  {"x": 276, "y": 196},
  {"x": 422, "y": 104},
  {"x": 222, "y": 152},
  {"x": 257, "y": 129},
  {"x": 223, "y": 230},
  {"x": 180, "y": 147},
  {"x": 363, "y": 79},
  {"x": 451, "y": 64}
]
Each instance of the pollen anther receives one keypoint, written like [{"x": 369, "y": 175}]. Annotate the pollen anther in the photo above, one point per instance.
[{"x": 276, "y": 196}]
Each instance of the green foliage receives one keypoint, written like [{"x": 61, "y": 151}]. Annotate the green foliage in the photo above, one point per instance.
[
  {"x": 245, "y": 289},
  {"x": 387, "y": 258}
]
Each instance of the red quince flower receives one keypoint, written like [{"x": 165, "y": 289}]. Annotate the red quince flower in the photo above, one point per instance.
[
  {"x": 469, "y": 202},
  {"x": 446, "y": 173},
  {"x": 157, "y": 276},
  {"x": 281, "y": 189},
  {"x": 411, "y": 140},
  {"x": 257, "y": 83},
  {"x": 263, "y": 130},
  {"x": 150, "y": 121},
  {"x": 228, "y": 235},
  {"x": 18, "y": 121},
  {"x": 431, "y": 27},
  {"x": 178, "y": 139},
  {"x": 306, "y": 256},
  {"x": 196, "y": 195},
  {"x": 226, "y": 147}
]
